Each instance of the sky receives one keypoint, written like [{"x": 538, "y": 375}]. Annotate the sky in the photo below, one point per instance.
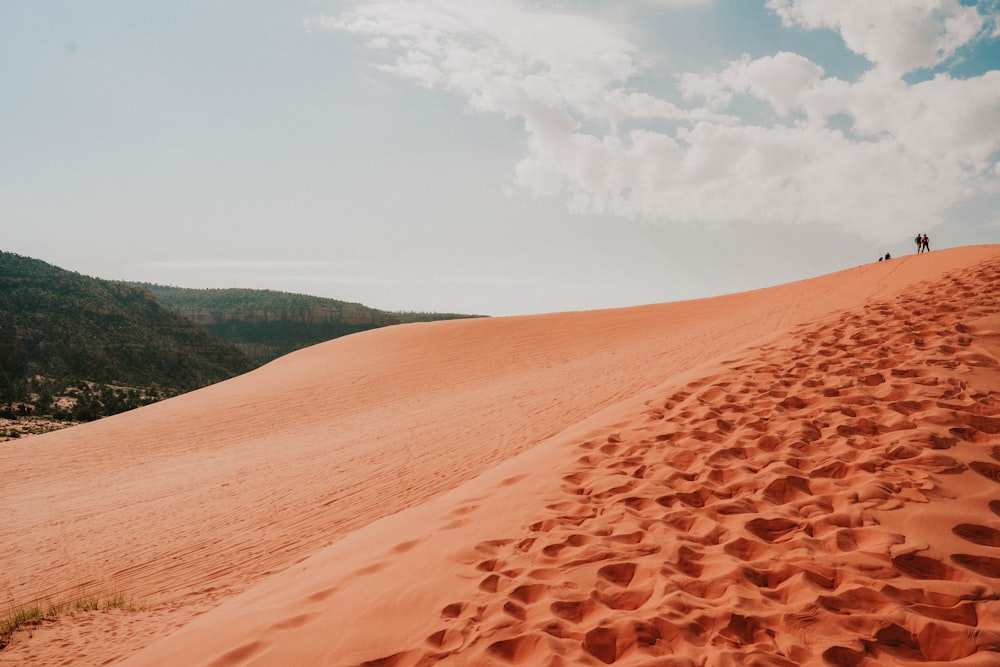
[{"x": 495, "y": 157}]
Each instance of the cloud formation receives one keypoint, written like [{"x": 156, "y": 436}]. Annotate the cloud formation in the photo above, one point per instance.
[
  {"x": 908, "y": 151},
  {"x": 898, "y": 36}
]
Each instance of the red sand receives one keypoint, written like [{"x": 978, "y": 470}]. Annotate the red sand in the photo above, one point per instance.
[{"x": 805, "y": 474}]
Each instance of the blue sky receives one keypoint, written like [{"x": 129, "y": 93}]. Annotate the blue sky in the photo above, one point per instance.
[{"x": 497, "y": 157}]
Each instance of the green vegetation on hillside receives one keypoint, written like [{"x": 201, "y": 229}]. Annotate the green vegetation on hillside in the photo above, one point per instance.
[
  {"x": 408, "y": 316},
  {"x": 77, "y": 347},
  {"x": 267, "y": 324}
]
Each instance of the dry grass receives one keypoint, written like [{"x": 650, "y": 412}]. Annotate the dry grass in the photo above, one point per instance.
[{"x": 27, "y": 617}]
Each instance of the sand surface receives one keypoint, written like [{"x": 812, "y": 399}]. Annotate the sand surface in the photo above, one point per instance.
[{"x": 806, "y": 474}]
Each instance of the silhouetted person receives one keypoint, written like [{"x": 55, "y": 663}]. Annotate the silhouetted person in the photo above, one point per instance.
[
  {"x": 925, "y": 244},
  {"x": 919, "y": 241},
  {"x": 888, "y": 256}
]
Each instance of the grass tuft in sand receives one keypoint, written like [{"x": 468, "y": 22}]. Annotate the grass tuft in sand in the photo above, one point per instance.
[{"x": 28, "y": 616}]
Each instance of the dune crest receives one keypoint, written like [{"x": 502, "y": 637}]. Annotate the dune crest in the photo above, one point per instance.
[
  {"x": 825, "y": 499},
  {"x": 800, "y": 507},
  {"x": 799, "y": 475}
]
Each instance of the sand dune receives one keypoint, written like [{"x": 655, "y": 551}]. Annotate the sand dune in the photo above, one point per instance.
[{"x": 800, "y": 475}]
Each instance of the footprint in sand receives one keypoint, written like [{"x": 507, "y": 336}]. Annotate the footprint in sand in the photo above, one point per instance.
[
  {"x": 296, "y": 621},
  {"x": 995, "y": 506},
  {"x": 861, "y": 600},
  {"x": 240, "y": 654},
  {"x": 987, "y": 469},
  {"x": 923, "y": 567},
  {"x": 984, "y": 565},
  {"x": 771, "y": 530},
  {"x": 619, "y": 574},
  {"x": 981, "y": 535},
  {"x": 453, "y": 610},
  {"x": 448, "y": 639},
  {"x": 518, "y": 649},
  {"x": 574, "y": 611}
]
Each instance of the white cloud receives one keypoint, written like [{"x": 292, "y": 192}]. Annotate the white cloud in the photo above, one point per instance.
[
  {"x": 918, "y": 148},
  {"x": 898, "y": 36},
  {"x": 501, "y": 56},
  {"x": 782, "y": 79},
  {"x": 779, "y": 80},
  {"x": 913, "y": 150},
  {"x": 716, "y": 173}
]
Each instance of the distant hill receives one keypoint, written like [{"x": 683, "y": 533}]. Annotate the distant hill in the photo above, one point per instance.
[
  {"x": 76, "y": 348},
  {"x": 107, "y": 345},
  {"x": 267, "y": 324}
]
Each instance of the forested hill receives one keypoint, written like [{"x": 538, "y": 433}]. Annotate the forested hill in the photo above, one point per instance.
[
  {"x": 266, "y": 324},
  {"x": 62, "y": 329},
  {"x": 76, "y": 348}
]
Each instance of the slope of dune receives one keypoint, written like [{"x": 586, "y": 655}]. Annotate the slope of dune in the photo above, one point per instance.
[{"x": 798, "y": 475}]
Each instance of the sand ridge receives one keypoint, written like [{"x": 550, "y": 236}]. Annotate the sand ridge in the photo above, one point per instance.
[
  {"x": 829, "y": 498},
  {"x": 562, "y": 554},
  {"x": 746, "y": 520}
]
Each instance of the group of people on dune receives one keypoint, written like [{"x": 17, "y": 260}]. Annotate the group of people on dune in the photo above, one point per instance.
[{"x": 923, "y": 245}]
